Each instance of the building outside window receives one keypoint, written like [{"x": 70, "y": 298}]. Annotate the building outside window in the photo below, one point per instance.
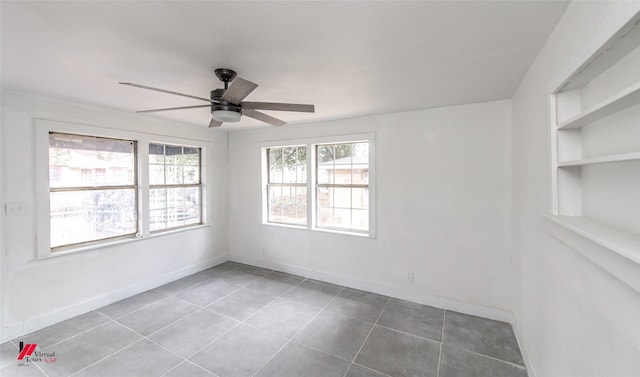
[{"x": 342, "y": 190}]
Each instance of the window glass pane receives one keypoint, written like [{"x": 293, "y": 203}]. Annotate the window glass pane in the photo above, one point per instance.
[
  {"x": 191, "y": 156},
  {"x": 156, "y": 153},
  {"x": 360, "y": 198},
  {"x": 82, "y": 216},
  {"x": 158, "y": 198},
  {"x": 191, "y": 174},
  {"x": 156, "y": 174},
  {"x": 275, "y": 165},
  {"x": 172, "y": 154},
  {"x": 345, "y": 164},
  {"x": 360, "y": 219},
  {"x": 77, "y": 160},
  {"x": 174, "y": 174},
  {"x": 174, "y": 207}
]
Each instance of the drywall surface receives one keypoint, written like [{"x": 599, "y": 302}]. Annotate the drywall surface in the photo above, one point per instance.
[
  {"x": 442, "y": 196},
  {"x": 41, "y": 292},
  {"x": 572, "y": 317}
]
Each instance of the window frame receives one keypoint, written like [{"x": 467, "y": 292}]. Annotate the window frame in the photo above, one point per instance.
[
  {"x": 336, "y": 185},
  {"x": 270, "y": 184},
  {"x": 42, "y": 129},
  {"x": 83, "y": 188},
  {"x": 310, "y": 144},
  {"x": 183, "y": 185}
]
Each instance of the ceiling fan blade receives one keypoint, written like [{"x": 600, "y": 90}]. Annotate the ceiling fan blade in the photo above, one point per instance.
[
  {"x": 172, "y": 108},
  {"x": 279, "y": 106},
  {"x": 263, "y": 117},
  {"x": 214, "y": 123},
  {"x": 239, "y": 89},
  {"x": 166, "y": 91}
]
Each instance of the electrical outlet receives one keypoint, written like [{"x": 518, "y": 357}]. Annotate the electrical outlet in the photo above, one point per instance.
[
  {"x": 16, "y": 209},
  {"x": 410, "y": 277}
]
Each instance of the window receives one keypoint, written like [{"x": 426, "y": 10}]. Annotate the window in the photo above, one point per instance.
[
  {"x": 342, "y": 189},
  {"x": 338, "y": 186},
  {"x": 174, "y": 186},
  {"x": 87, "y": 200},
  {"x": 287, "y": 185}
]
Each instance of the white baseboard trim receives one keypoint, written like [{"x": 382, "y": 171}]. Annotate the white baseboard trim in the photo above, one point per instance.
[
  {"x": 531, "y": 371},
  {"x": 71, "y": 311},
  {"x": 383, "y": 289}
]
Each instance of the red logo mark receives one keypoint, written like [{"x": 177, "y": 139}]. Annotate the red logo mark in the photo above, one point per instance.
[{"x": 26, "y": 351}]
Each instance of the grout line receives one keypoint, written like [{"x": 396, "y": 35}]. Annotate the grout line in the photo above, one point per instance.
[
  {"x": 299, "y": 331},
  {"x": 489, "y": 357},
  {"x": 444, "y": 318},
  {"x": 109, "y": 355},
  {"x": 373, "y": 370},
  {"x": 367, "y": 338}
]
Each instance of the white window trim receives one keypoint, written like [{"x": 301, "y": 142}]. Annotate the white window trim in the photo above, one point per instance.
[
  {"x": 42, "y": 129},
  {"x": 311, "y": 180}
]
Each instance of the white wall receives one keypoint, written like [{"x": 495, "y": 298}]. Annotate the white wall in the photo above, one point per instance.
[
  {"x": 41, "y": 292},
  {"x": 573, "y": 317},
  {"x": 442, "y": 209}
]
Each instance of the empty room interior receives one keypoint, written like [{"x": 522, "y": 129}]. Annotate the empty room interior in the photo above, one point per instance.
[{"x": 320, "y": 188}]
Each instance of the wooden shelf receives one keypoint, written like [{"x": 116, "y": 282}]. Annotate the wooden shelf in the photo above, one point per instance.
[
  {"x": 624, "y": 244},
  {"x": 618, "y": 102},
  {"x": 602, "y": 160}
]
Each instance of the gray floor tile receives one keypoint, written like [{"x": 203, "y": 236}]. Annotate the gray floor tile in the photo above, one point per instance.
[
  {"x": 187, "y": 369},
  {"x": 283, "y": 317},
  {"x": 8, "y": 354},
  {"x": 183, "y": 284},
  {"x": 15, "y": 370},
  {"x": 296, "y": 360},
  {"x": 483, "y": 336},
  {"x": 335, "y": 334},
  {"x": 219, "y": 269},
  {"x": 360, "y": 371},
  {"x": 315, "y": 293},
  {"x": 128, "y": 305},
  {"x": 240, "y": 352},
  {"x": 242, "y": 275},
  {"x": 276, "y": 283},
  {"x": 156, "y": 316},
  {"x": 399, "y": 355},
  {"x": 241, "y": 304},
  {"x": 81, "y": 351},
  {"x": 455, "y": 362},
  {"x": 421, "y": 320},
  {"x": 190, "y": 334},
  {"x": 358, "y": 304},
  {"x": 64, "y": 330},
  {"x": 208, "y": 292},
  {"x": 142, "y": 358}
]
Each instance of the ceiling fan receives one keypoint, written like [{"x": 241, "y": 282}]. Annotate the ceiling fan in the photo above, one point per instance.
[{"x": 227, "y": 104}]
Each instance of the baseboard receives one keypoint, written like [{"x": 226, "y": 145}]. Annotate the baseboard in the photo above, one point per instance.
[
  {"x": 396, "y": 292},
  {"x": 47, "y": 319},
  {"x": 531, "y": 371}
]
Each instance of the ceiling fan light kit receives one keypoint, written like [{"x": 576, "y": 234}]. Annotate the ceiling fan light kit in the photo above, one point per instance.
[{"x": 227, "y": 104}]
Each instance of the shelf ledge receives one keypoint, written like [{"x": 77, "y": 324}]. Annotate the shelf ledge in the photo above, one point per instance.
[
  {"x": 624, "y": 244},
  {"x": 633, "y": 156},
  {"x": 614, "y": 104}
]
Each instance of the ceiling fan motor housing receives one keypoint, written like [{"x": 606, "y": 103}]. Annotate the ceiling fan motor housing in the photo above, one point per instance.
[{"x": 216, "y": 95}]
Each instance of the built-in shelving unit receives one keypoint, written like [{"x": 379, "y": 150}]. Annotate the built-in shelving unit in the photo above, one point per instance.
[
  {"x": 620, "y": 101},
  {"x": 595, "y": 130},
  {"x": 602, "y": 159}
]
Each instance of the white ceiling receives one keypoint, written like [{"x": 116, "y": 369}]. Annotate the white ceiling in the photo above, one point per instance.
[{"x": 347, "y": 58}]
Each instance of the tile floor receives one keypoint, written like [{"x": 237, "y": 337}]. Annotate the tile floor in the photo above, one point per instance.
[{"x": 235, "y": 320}]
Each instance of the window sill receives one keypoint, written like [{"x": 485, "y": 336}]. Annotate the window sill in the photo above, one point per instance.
[
  {"x": 118, "y": 242},
  {"x": 331, "y": 231},
  {"x": 616, "y": 251}
]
